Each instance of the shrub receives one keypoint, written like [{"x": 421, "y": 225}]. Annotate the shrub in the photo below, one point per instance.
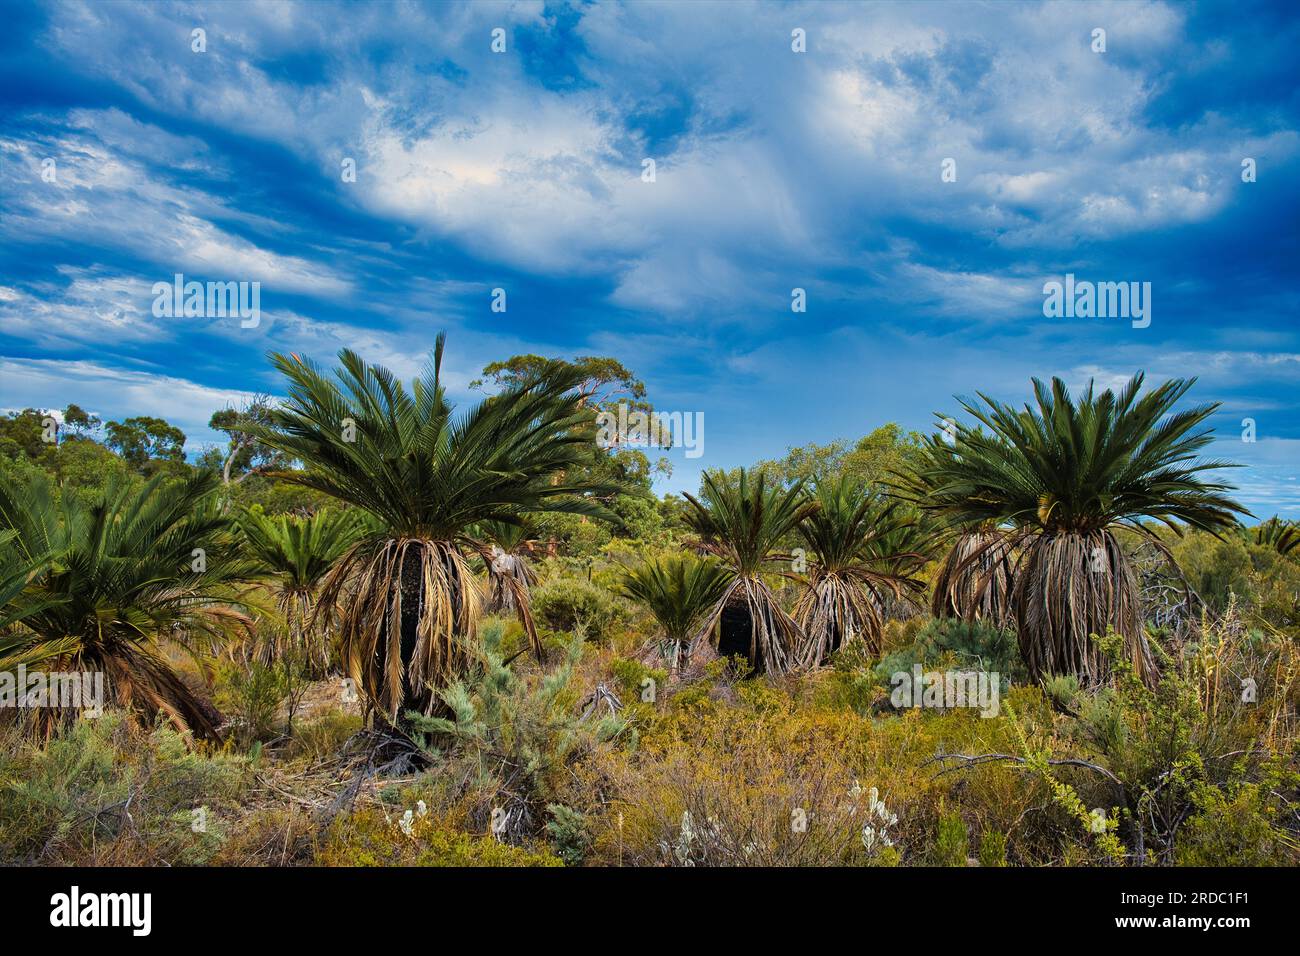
[
  {"x": 953, "y": 642},
  {"x": 569, "y": 832},
  {"x": 371, "y": 837},
  {"x": 250, "y": 695},
  {"x": 568, "y": 604},
  {"x": 952, "y": 841},
  {"x": 1236, "y": 825},
  {"x": 993, "y": 848},
  {"x": 325, "y": 736},
  {"x": 514, "y": 738},
  {"x": 630, "y": 676},
  {"x": 105, "y": 792}
]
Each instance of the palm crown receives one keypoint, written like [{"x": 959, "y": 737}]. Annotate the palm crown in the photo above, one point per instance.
[
  {"x": 407, "y": 458},
  {"x": 1079, "y": 466},
  {"x": 430, "y": 476},
  {"x": 744, "y": 521},
  {"x": 115, "y": 573},
  {"x": 1038, "y": 495},
  {"x": 299, "y": 551},
  {"x": 679, "y": 590}
]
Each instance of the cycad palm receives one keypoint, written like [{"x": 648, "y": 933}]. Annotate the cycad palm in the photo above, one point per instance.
[
  {"x": 113, "y": 575},
  {"x": 428, "y": 475},
  {"x": 297, "y": 553},
  {"x": 1057, "y": 480},
  {"x": 680, "y": 591},
  {"x": 743, "y": 522},
  {"x": 863, "y": 554}
]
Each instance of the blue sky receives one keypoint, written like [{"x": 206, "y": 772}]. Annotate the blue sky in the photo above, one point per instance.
[{"x": 774, "y": 169}]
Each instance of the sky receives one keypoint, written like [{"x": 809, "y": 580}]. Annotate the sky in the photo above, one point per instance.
[{"x": 919, "y": 170}]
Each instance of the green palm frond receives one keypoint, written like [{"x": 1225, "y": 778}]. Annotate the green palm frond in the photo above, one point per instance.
[
  {"x": 744, "y": 521},
  {"x": 429, "y": 474},
  {"x": 1078, "y": 466},
  {"x": 1281, "y": 536},
  {"x": 679, "y": 590},
  {"x": 1049, "y": 484},
  {"x": 864, "y": 549},
  {"x": 110, "y": 577},
  {"x": 296, "y": 552},
  {"x": 423, "y": 470}
]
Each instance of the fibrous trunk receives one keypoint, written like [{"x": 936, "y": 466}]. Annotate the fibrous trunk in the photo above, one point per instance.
[
  {"x": 774, "y": 637},
  {"x": 1071, "y": 587},
  {"x": 975, "y": 581},
  {"x": 408, "y": 628},
  {"x": 834, "y": 611}
]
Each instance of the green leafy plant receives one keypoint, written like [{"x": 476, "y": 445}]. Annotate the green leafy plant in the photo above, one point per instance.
[
  {"x": 297, "y": 553},
  {"x": 112, "y": 578},
  {"x": 862, "y": 557},
  {"x": 680, "y": 591},
  {"x": 429, "y": 476},
  {"x": 1056, "y": 481},
  {"x": 518, "y": 736},
  {"x": 743, "y": 522}
]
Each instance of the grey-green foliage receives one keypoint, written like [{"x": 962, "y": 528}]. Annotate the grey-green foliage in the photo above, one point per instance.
[
  {"x": 519, "y": 734},
  {"x": 105, "y": 790},
  {"x": 969, "y": 643},
  {"x": 569, "y": 832}
]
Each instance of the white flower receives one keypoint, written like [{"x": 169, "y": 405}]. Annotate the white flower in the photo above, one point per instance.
[
  {"x": 421, "y": 809},
  {"x": 407, "y": 822}
]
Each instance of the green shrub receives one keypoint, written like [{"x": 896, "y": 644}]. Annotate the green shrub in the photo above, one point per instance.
[
  {"x": 107, "y": 792},
  {"x": 952, "y": 841},
  {"x": 250, "y": 696},
  {"x": 993, "y": 848},
  {"x": 950, "y": 642},
  {"x": 630, "y": 676},
  {"x": 514, "y": 738},
  {"x": 568, "y": 604},
  {"x": 1235, "y": 826},
  {"x": 569, "y": 832}
]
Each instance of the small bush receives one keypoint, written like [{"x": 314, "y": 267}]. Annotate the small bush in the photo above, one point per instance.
[
  {"x": 250, "y": 696},
  {"x": 370, "y": 837},
  {"x": 951, "y": 843},
  {"x": 567, "y": 604},
  {"x": 944, "y": 642},
  {"x": 630, "y": 676},
  {"x": 1237, "y": 826},
  {"x": 325, "y": 736},
  {"x": 106, "y": 792},
  {"x": 569, "y": 832},
  {"x": 993, "y": 848}
]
